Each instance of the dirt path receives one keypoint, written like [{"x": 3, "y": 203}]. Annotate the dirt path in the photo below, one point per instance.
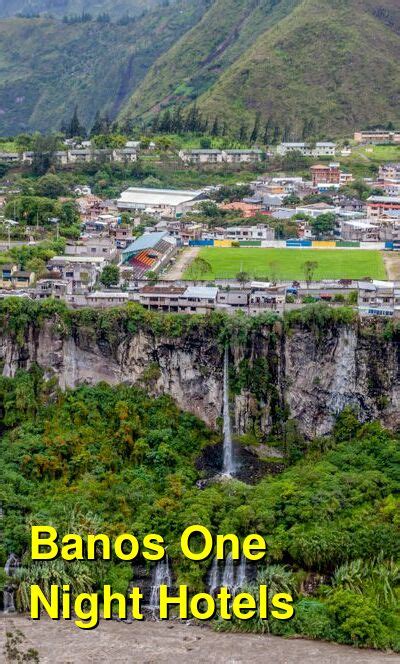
[
  {"x": 60, "y": 642},
  {"x": 182, "y": 263},
  {"x": 392, "y": 264}
]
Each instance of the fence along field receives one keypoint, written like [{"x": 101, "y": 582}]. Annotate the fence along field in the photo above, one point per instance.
[{"x": 288, "y": 264}]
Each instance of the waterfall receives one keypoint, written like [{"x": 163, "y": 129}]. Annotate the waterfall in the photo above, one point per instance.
[
  {"x": 228, "y": 464},
  {"x": 214, "y": 577},
  {"x": 233, "y": 577},
  {"x": 228, "y": 578},
  {"x": 10, "y": 567},
  {"x": 161, "y": 577},
  {"x": 241, "y": 574}
]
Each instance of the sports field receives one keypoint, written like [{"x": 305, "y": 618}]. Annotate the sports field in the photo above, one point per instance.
[{"x": 288, "y": 264}]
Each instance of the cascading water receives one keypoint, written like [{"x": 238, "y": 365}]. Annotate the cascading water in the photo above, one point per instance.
[
  {"x": 241, "y": 574},
  {"x": 232, "y": 576},
  {"x": 228, "y": 462},
  {"x": 10, "y": 567},
  {"x": 214, "y": 584},
  {"x": 161, "y": 577},
  {"x": 228, "y": 578}
]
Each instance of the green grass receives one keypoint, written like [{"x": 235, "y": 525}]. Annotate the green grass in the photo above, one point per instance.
[{"x": 287, "y": 264}]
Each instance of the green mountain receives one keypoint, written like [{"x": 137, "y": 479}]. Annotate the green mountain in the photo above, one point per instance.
[
  {"x": 332, "y": 62},
  {"x": 68, "y": 7},
  {"x": 321, "y": 66},
  {"x": 46, "y": 66}
]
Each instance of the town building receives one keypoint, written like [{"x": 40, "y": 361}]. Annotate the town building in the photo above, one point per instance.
[
  {"x": 380, "y": 136},
  {"x": 323, "y": 149},
  {"x": 92, "y": 246},
  {"x": 193, "y": 299},
  {"x": 169, "y": 202},
  {"x": 358, "y": 230},
  {"x": 83, "y": 271},
  {"x": 201, "y": 156},
  {"x": 376, "y": 298},
  {"x": 325, "y": 174},
  {"x": 378, "y": 206}
]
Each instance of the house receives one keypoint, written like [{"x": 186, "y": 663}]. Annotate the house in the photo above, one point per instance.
[
  {"x": 323, "y": 149},
  {"x": 233, "y": 298},
  {"x": 22, "y": 278},
  {"x": 380, "y": 136},
  {"x": 201, "y": 156},
  {"x": 92, "y": 246},
  {"x": 124, "y": 155},
  {"x": 10, "y": 157},
  {"x": 59, "y": 289},
  {"x": 102, "y": 299},
  {"x": 194, "y": 299},
  {"x": 122, "y": 236},
  {"x": 316, "y": 209},
  {"x": 377, "y": 206},
  {"x": 359, "y": 230},
  {"x": 249, "y": 234},
  {"x": 242, "y": 156},
  {"x": 6, "y": 272},
  {"x": 169, "y": 202},
  {"x": 83, "y": 271},
  {"x": 376, "y": 298},
  {"x": 325, "y": 174},
  {"x": 247, "y": 210},
  {"x": 266, "y": 296}
]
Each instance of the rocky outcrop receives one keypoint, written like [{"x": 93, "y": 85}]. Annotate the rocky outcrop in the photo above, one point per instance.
[{"x": 277, "y": 375}]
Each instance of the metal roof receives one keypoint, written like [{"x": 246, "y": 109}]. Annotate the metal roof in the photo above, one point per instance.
[
  {"x": 145, "y": 241},
  {"x": 149, "y": 197},
  {"x": 201, "y": 292}
]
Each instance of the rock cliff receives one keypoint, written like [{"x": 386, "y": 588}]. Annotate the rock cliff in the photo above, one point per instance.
[{"x": 276, "y": 374}]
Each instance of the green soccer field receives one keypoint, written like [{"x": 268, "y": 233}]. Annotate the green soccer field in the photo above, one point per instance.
[{"x": 287, "y": 264}]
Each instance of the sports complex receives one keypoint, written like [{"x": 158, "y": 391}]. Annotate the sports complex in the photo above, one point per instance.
[{"x": 287, "y": 264}]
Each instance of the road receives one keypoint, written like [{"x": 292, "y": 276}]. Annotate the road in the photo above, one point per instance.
[{"x": 182, "y": 263}]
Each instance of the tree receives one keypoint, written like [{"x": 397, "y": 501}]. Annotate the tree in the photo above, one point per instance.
[
  {"x": 309, "y": 269},
  {"x": 323, "y": 225},
  {"x": 44, "y": 148},
  {"x": 256, "y": 129},
  {"x": 292, "y": 199},
  {"x": 50, "y": 186},
  {"x": 243, "y": 278},
  {"x": 152, "y": 277},
  {"x": 110, "y": 276},
  {"x": 74, "y": 128},
  {"x": 199, "y": 268}
]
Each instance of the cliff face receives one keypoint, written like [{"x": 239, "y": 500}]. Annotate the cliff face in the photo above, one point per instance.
[{"x": 275, "y": 375}]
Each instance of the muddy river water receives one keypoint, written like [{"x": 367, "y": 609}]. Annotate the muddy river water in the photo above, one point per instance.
[{"x": 171, "y": 643}]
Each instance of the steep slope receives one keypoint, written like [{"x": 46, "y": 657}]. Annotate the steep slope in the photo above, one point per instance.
[
  {"x": 334, "y": 61},
  {"x": 46, "y": 67},
  {"x": 192, "y": 65},
  {"x": 67, "y": 7}
]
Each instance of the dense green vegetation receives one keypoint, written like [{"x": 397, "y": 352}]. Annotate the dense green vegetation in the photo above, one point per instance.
[
  {"x": 47, "y": 66},
  {"x": 295, "y": 63},
  {"x": 113, "y": 460},
  {"x": 248, "y": 64},
  {"x": 75, "y": 7}
]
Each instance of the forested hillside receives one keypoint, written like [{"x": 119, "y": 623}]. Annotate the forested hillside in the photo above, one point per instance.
[
  {"x": 113, "y": 460},
  {"x": 332, "y": 63},
  {"x": 47, "y": 66},
  {"x": 316, "y": 67},
  {"x": 69, "y": 7}
]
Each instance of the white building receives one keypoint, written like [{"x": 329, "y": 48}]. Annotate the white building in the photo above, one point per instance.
[
  {"x": 323, "y": 149},
  {"x": 167, "y": 201}
]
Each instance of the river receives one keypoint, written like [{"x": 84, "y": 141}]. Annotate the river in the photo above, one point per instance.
[{"x": 172, "y": 643}]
